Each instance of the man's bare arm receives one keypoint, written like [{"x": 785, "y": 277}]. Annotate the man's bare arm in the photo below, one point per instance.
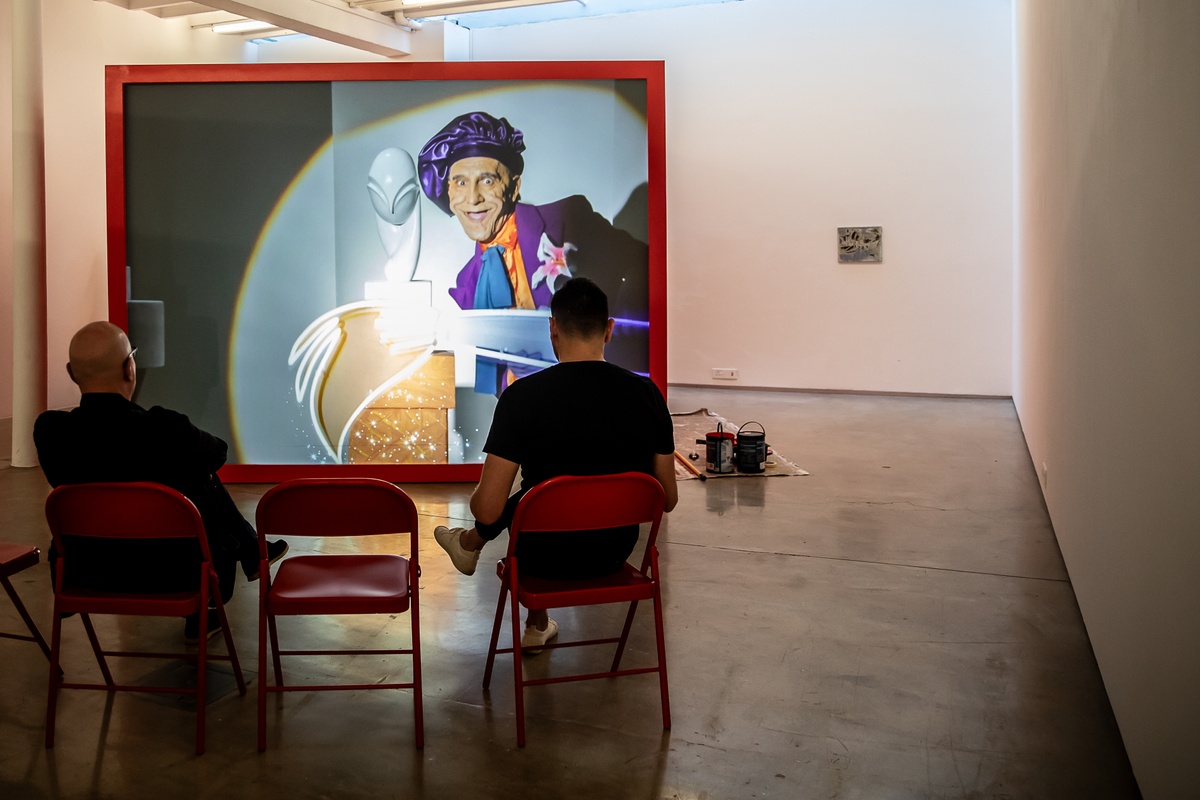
[
  {"x": 489, "y": 497},
  {"x": 664, "y": 472}
]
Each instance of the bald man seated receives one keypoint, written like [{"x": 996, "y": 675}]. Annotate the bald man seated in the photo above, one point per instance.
[{"x": 111, "y": 438}]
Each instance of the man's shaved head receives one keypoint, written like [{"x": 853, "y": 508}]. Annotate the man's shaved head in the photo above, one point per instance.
[{"x": 98, "y": 354}]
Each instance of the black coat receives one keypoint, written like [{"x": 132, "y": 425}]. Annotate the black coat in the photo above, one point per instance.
[{"x": 109, "y": 438}]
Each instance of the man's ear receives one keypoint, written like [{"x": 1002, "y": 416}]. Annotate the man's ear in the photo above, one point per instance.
[
  {"x": 128, "y": 370},
  {"x": 553, "y": 328},
  {"x": 517, "y": 189},
  {"x": 608, "y": 329},
  {"x": 71, "y": 373}
]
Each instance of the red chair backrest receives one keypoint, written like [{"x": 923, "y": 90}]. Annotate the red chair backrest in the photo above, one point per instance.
[
  {"x": 123, "y": 511},
  {"x": 336, "y": 507},
  {"x": 590, "y": 502}
]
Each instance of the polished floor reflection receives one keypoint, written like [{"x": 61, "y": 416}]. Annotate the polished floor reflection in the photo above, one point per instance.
[{"x": 898, "y": 624}]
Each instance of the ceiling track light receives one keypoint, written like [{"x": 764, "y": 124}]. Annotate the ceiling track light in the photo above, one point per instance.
[
  {"x": 429, "y": 8},
  {"x": 241, "y": 26}
]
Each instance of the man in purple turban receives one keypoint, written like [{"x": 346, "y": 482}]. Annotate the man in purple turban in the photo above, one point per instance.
[{"x": 471, "y": 170}]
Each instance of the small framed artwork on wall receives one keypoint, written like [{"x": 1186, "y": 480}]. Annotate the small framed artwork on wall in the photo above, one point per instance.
[{"x": 857, "y": 245}]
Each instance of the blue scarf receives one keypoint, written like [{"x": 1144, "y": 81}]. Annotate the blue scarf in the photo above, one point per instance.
[{"x": 492, "y": 290}]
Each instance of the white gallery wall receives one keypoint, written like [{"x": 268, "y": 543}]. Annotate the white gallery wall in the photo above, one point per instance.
[
  {"x": 786, "y": 119},
  {"x": 789, "y": 118},
  {"x": 1108, "y": 345},
  {"x": 78, "y": 38}
]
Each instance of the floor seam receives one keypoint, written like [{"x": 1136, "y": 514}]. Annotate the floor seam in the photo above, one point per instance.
[{"x": 865, "y": 561}]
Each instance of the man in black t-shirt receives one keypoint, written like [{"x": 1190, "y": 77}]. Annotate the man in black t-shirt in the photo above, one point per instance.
[{"x": 582, "y": 416}]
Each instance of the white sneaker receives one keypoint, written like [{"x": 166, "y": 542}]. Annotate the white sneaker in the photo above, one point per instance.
[
  {"x": 451, "y": 541},
  {"x": 533, "y": 639}
]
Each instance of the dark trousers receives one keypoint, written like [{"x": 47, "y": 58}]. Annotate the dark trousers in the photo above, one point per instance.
[{"x": 564, "y": 555}]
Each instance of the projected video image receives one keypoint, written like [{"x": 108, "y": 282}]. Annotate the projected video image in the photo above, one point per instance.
[{"x": 400, "y": 277}]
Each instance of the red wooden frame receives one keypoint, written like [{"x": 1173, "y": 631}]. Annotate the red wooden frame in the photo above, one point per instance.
[{"x": 117, "y": 77}]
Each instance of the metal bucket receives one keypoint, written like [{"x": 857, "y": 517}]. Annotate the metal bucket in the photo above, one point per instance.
[
  {"x": 751, "y": 448},
  {"x": 718, "y": 448}
]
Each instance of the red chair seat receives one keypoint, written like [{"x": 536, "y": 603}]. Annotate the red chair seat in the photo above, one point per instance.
[
  {"x": 350, "y": 584},
  {"x": 15, "y": 557},
  {"x": 626, "y": 585},
  {"x": 174, "y": 604}
]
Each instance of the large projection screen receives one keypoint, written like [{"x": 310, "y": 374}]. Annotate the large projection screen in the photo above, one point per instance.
[{"x": 283, "y": 253}]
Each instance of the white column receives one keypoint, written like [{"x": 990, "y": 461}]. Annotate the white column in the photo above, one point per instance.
[{"x": 29, "y": 230}]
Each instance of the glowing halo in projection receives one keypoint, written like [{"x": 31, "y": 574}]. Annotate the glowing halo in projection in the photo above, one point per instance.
[{"x": 344, "y": 339}]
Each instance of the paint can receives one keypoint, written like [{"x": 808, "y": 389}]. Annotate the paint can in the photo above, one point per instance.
[
  {"x": 751, "y": 448},
  {"x": 718, "y": 447}
]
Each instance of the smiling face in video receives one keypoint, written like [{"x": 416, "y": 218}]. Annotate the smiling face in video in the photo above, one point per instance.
[{"x": 483, "y": 193}]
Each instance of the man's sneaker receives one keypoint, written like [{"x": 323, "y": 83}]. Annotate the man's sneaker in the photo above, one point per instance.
[
  {"x": 533, "y": 639},
  {"x": 191, "y": 627},
  {"x": 451, "y": 541},
  {"x": 275, "y": 551}
]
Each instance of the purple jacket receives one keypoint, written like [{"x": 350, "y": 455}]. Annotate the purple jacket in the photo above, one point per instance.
[{"x": 611, "y": 257}]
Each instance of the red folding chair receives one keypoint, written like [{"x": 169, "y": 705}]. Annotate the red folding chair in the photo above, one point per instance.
[
  {"x": 124, "y": 511},
  {"x": 336, "y": 584},
  {"x": 577, "y": 504},
  {"x": 16, "y": 558}
]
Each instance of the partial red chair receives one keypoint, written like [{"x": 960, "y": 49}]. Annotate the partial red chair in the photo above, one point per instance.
[
  {"x": 577, "y": 504},
  {"x": 312, "y": 585},
  {"x": 123, "y": 511},
  {"x": 16, "y": 558}
]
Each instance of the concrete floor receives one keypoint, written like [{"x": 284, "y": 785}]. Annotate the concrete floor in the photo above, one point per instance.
[{"x": 898, "y": 624}]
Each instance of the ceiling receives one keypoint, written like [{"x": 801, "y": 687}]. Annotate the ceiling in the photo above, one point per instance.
[{"x": 383, "y": 27}]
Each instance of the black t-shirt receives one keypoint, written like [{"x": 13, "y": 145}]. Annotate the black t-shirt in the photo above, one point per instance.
[{"x": 581, "y": 418}]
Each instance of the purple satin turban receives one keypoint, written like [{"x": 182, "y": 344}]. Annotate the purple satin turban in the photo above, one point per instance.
[{"x": 477, "y": 134}]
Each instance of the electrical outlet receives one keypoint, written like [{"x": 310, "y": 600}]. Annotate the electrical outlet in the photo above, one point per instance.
[{"x": 720, "y": 374}]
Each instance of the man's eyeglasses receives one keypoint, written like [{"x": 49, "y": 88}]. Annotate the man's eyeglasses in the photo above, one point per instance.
[{"x": 132, "y": 353}]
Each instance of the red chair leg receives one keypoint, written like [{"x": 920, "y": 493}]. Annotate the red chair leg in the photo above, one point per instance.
[
  {"x": 231, "y": 648},
  {"x": 518, "y": 669},
  {"x": 55, "y": 676},
  {"x": 202, "y": 674},
  {"x": 275, "y": 659},
  {"x": 662, "y": 645},
  {"x": 28, "y": 620},
  {"x": 418, "y": 710},
  {"x": 491, "y": 659},
  {"x": 262, "y": 669},
  {"x": 616, "y": 664},
  {"x": 91, "y": 634}
]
